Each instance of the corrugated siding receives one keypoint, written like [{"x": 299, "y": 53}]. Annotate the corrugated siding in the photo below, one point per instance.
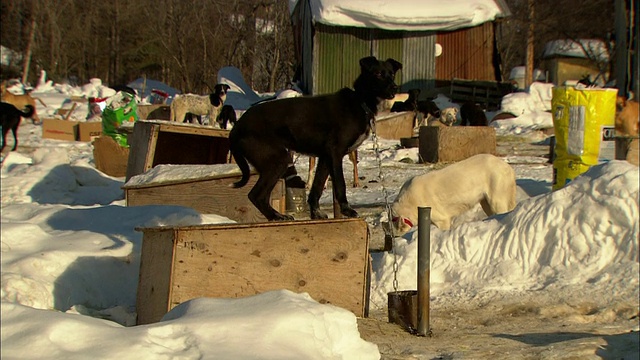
[
  {"x": 419, "y": 67},
  {"x": 466, "y": 54},
  {"x": 338, "y": 50},
  {"x": 336, "y": 56}
]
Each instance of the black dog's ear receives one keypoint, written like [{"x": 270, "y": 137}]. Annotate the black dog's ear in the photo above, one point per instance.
[
  {"x": 394, "y": 64},
  {"x": 226, "y": 87},
  {"x": 367, "y": 63}
]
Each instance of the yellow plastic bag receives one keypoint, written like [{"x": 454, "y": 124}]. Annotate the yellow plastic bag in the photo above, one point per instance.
[{"x": 584, "y": 122}]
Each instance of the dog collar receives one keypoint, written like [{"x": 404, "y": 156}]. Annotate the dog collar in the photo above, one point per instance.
[{"x": 404, "y": 220}]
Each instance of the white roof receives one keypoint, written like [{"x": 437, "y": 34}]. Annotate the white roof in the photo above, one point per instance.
[
  {"x": 409, "y": 15},
  {"x": 595, "y": 49}
]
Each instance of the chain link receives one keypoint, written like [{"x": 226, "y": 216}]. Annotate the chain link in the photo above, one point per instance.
[{"x": 389, "y": 232}]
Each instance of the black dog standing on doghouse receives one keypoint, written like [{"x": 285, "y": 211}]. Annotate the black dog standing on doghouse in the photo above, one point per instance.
[{"x": 325, "y": 126}]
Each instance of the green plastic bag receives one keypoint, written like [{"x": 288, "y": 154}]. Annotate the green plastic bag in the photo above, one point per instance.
[{"x": 121, "y": 109}]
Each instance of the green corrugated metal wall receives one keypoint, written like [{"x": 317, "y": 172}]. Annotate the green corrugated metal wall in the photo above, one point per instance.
[{"x": 337, "y": 51}]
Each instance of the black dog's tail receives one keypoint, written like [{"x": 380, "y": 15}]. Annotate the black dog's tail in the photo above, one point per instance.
[
  {"x": 28, "y": 113},
  {"x": 241, "y": 161}
]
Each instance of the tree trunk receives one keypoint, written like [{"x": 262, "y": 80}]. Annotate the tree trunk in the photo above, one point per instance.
[
  {"x": 28, "y": 50},
  {"x": 529, "y": 66}
]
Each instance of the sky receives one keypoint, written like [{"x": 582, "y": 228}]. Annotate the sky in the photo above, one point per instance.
[{"x": 71, "y": 257}]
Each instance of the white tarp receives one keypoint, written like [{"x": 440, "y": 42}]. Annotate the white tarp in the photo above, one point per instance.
[{"x": 409, "y": 15}]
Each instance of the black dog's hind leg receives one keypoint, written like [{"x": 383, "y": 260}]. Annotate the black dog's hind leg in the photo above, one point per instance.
[
  {"x": 14, "y": 130},
  {"x": 260, "y": 194}
]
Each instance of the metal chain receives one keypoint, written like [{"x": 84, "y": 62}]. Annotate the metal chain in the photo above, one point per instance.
[{"x": 376, "y": 148}]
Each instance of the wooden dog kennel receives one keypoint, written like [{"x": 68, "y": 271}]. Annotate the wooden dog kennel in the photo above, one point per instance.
[{"x": 328, "y": 259}]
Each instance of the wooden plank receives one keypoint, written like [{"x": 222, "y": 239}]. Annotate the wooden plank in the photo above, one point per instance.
[
  {"x": 139, "y": 149},
  {"x": 154, "y": 285},
  {"x": 195, "y": 130},
  {"x": 328, "y": 259},
  {"x": 208, "y": 196},
  {"x": 455, "y": 143}
]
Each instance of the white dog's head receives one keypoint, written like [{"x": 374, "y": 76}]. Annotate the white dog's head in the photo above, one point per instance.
[{"x": 401, "y": 225}]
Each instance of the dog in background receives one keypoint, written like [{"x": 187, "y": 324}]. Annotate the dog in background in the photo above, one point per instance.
[
  {"x": 209, "y": 105},
  {"x": 325, "y": 126},
  {"x": 452, "y": 191},
  {"x": 627, "y": 118},
  {"x": 20, "y": 101},
  {"x": 11, "y": 117},
  {"x": 227, "y": 116},
  {"x": 448, "y": 116},
  {"x": 472, "y": 115},
  {"x": 411, "y": 104}
]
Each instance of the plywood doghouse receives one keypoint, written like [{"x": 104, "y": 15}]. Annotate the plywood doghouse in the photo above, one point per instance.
[
  {"x": 209, "y": 191},
  {"x": 455, "y": 143},
  {"x": 163, "y": 142},
  {"x": 394, "y": 126},
  {"x": 329, "y": 259}
]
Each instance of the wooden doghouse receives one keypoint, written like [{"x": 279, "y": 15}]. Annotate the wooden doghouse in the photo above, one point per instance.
[
  {"x": 455, "y": 143},
  {"x": 329, "y": 259},
  {"x": 396, "y": 125},
  {"x": 156, "y": 142},
  {"x": 203, "y": 188}
]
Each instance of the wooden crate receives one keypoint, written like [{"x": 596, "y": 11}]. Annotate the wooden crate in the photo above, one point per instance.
[
  {"x": 109, "y": 156},
  {"x": 156, "y": 142},
  {"x": 394, "y": 126},
  {"x": 329, "y": 259},
  {"x": 455, "y": 143},
  {"x": 210, "y": 194}
]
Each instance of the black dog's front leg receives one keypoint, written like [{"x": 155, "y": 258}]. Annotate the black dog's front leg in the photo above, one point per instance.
[
  {"x": 319, "y": 179},
  {"x": 340, "y": 188}
]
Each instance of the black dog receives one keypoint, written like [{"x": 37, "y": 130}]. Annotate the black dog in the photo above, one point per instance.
[
  {"x": 227, "y": 116},
  {"x": 124, "y": 88},
  {"x": 472, "y": 115},
  {"x": 428, "y": 107},
  {"x": 411, "y": 104},
  {"x": 325, "y": 126},
  {"x": 10, "y": 116}
]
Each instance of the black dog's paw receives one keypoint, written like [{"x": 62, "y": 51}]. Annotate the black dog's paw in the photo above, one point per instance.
[
  {"x": 318, "y": 215},
  {"x": 282, "y": 217},
  {"x": 348, "y": 212}
]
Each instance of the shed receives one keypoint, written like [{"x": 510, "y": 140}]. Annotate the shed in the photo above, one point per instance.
[
  {"x": 332, "y": 35},
  {"x": 569, "y": 60}
]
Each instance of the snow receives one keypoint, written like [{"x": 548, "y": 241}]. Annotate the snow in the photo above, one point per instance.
[
  {"x": 70, "y": 254},
  {"x": 409, "y": 15},
  {"x": 583, "y": 48}
]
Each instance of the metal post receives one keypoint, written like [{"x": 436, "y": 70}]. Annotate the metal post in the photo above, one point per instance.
[{"x": 424, "y": 269}]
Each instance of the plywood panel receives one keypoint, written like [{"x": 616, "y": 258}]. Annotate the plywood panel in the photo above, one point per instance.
[
  {"x": 212, "y": 195},
  {"x": 154, "y": 283},
  {"x": 455, "y": 143},
  {"x": 328, "y": 259}
]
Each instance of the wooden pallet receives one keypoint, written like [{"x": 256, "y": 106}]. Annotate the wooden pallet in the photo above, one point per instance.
[
  {"x": 327, "y": 259},
  {"x": 487, "y": 94}
]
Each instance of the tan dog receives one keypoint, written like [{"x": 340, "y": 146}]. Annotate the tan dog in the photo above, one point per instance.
[
  {"x": 20, "y": 101},
  {"x": 452, "y": 191},
  {"x": 627, "y": 120}
]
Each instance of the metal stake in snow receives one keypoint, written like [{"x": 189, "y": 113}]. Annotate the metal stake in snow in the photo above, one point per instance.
[{"x": 424, "y": 269}]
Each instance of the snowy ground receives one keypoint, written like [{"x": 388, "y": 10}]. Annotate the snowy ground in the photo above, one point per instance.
[{"x": 556, "y": 278}]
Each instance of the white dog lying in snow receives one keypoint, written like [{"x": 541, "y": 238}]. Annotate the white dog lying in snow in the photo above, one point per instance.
[{"x": 484, "y": 179}]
